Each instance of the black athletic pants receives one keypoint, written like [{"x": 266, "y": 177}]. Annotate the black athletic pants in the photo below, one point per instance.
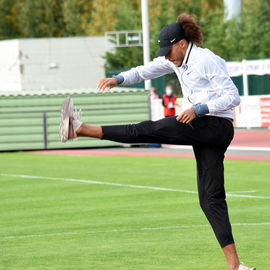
[{"x": 210, "y": 136}]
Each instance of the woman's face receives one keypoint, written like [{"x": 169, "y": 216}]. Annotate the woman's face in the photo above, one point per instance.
[{"x": 177, "y": 52}]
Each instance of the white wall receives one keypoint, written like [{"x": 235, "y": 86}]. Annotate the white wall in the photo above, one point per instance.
[
  {"x": 62, "y": 63},
  {"x": 52, "y": 63},
  {"x": 10, "y": 77}
]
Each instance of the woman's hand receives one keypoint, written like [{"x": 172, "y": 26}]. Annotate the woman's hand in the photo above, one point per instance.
[
  {"x": 107, "y": 83},
  {"x": 186, "y": 116}
]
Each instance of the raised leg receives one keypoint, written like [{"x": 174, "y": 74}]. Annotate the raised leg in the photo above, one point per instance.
[
  {"x": 89, "y": 131},
  {"x": 166, "y": 130}
]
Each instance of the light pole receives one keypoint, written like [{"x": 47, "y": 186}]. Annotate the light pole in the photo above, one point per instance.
[{"x": 146, "y": 47}]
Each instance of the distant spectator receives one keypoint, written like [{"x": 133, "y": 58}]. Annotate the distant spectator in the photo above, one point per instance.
[
  {"x": 154, "y": 95},
  {"x": 168, "y": 102}
]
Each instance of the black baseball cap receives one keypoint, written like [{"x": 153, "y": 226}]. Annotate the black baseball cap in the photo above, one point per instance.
[{"x": 168, "y": 35}]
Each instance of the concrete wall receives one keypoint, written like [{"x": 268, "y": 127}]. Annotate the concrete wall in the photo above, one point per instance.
[
  {"x": 10, "y": 76},
  {"x": 52, "y": 63}
]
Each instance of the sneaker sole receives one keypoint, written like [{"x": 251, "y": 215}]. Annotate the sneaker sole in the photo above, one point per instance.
[{"x": 66, "y": 109}]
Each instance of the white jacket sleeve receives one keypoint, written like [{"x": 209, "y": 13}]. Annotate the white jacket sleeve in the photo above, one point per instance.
[
  {"x": 226, "y": 93},
  {"x": 156, "y": 68}
]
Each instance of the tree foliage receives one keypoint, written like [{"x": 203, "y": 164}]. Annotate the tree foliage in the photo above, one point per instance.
[
  {"x": 255, "y": 34},
  {"x": 42, "y": 18},
  {"x": 77, "y": 16},
  {"x": 248, "y": 37},
  {"x": 245, "y": 37},
  {"x": 8, "y": 19},
  {"x": 103, "y": 17}
]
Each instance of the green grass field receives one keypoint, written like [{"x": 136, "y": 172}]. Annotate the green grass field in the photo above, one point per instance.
[{"x": 52, "y": 223}]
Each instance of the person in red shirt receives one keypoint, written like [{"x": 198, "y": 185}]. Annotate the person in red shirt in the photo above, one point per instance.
[{"x": 168, "y": 102}]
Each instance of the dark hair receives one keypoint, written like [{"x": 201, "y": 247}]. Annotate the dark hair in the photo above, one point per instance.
[{"x": 192, "y": 30}]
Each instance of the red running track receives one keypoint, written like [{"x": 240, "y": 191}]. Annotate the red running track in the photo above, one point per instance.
[{"x": 249, "y": 138}]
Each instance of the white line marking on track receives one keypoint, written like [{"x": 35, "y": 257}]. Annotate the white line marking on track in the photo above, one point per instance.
[
  {"x": 124, "y": 185},
  {"x": 243, "y": 191},
  {"x": 125, "y": 230},
  {"x": 97, "y": 182}
]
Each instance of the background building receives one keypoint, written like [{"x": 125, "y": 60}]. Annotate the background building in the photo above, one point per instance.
[{"x": 51, "y": 63}]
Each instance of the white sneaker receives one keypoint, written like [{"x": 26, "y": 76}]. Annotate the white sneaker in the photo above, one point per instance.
[
  {"x": 68, "y": 128},
  {"x": 242, "y": 267}
]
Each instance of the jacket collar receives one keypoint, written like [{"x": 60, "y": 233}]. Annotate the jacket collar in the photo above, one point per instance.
[{"x": 189, "y": 49}]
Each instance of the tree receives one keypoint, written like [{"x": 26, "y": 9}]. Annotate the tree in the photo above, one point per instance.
[
  {"x": 77, "y": 16},
  {"x": 103, "y": 17},
  {"x": 220, "y": 37},
  {"x": 9, "y": 27},
  {"x": 42, "y": 18},
  {"x": 129, "y": 18},
  {"x": 233, "y": 40},
  {"x": 265, "y": 29},
  {"x": 210, "y": 6},
  {"x": 256, "y": 29}
]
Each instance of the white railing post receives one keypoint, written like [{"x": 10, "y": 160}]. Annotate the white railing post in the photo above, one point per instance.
[
  {"x": 245, "y": 77},
  {"x": 146, "y": 46}
]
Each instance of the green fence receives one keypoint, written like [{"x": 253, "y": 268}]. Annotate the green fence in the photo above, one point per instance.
[
  {"x": 257, "y": 85},
  {"x": 238, "y": 81},
  {"x": 32, "y": 121}
]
